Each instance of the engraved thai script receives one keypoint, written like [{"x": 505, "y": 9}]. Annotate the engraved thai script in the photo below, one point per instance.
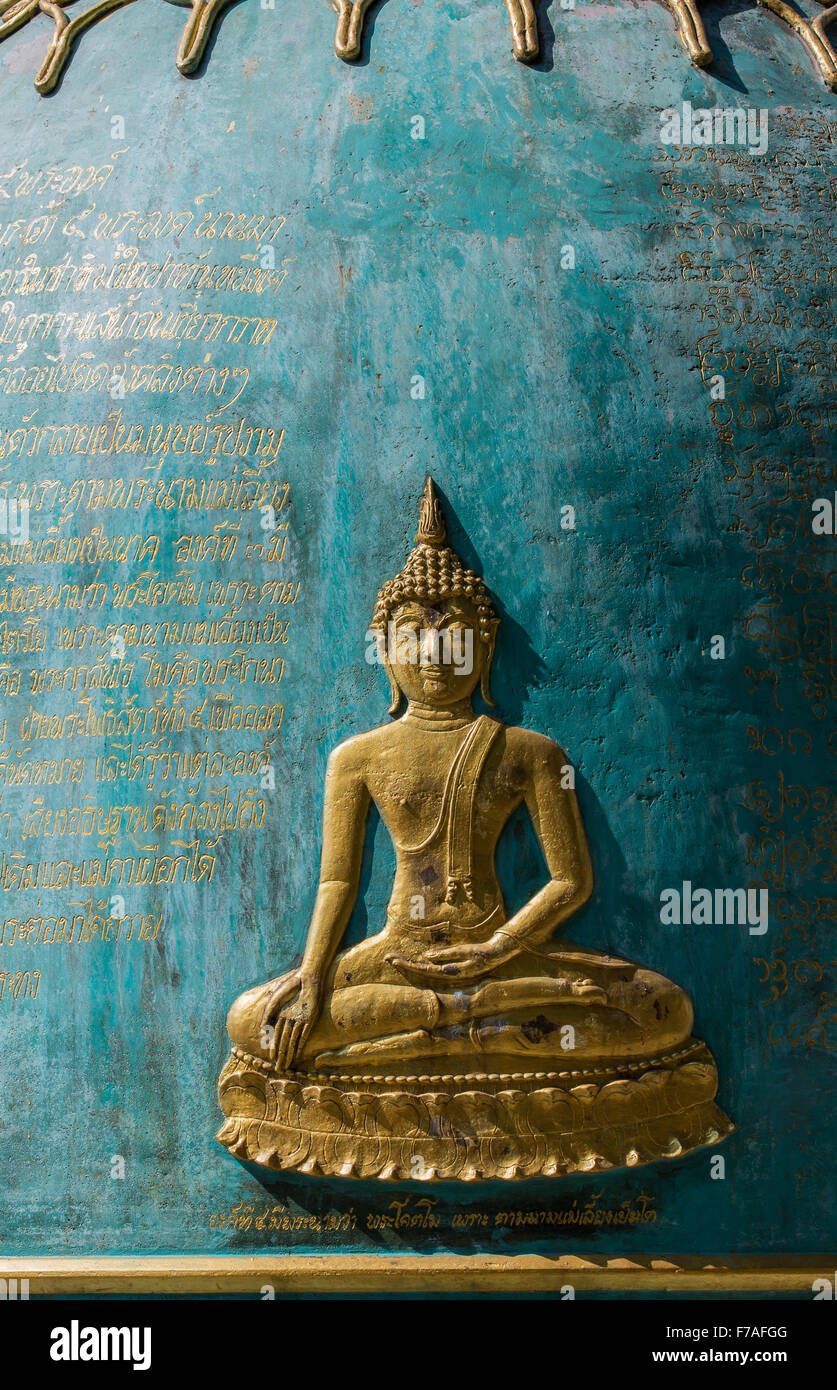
[
  {"x": 82, "y": 375},
  {"x": 96, "y": 548},
  {"x": 17, "y": 984},
  {"x": 17, "y": 769},
  {"x": 116, "y": 435},
  {"x": 131, "y": 224},
  {"x": 63, "y": 181},
  {"x": 132, "y": 719},
  {"x": 237, "y": 669},
  {"x": 165, "y": 763},
  {"x": 80, "y": 928},
  {"x": 170, "y": 325},
  {"x": 217, "y": 812},
  {"x": 190, "y": 632},
  {"x": 18, "y": 874},
  {"x": 129, "y": 272}
]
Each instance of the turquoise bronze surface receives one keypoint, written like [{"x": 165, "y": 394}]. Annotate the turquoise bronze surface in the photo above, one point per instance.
[{"x": 428, "y": 315}]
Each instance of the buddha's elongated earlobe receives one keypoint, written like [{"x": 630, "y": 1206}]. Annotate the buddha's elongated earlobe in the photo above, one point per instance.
[
  {"x": 485, "y": 674},
  {"x": 395, "y": 691}
]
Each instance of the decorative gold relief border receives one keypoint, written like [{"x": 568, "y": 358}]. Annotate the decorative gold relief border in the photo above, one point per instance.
[
  {"x": 360, "y": 1274},
  {"x": 351, "y": 14}
]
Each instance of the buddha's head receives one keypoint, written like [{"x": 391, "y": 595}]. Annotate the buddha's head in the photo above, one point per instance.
[{"x": 435, "y": 623}]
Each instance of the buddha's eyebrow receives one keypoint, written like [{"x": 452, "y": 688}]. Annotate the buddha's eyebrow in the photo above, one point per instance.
[
  {"x": 410, "y": 610},
  {"x": 454, "y": 615}
]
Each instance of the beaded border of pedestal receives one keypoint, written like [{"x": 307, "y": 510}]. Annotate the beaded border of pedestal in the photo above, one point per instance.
[{"x": 471, "y": 1127}]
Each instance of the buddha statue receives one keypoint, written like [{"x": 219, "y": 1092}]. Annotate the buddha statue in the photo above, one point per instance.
[{"x": 457, "y": 1042}]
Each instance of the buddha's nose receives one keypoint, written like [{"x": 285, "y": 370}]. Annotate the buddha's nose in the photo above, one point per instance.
[{"x": 429, "y": 650}]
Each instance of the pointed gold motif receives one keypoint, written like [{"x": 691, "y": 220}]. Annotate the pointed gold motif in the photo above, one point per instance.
[
  {"x": 16, "y": 13},
  {"x": 197, "y": 31},
  {"x": 526, "y": 44},
  {"x": 348, "y": 40},
  {"x": 431, "y": 527},
  {"x": 811, "y": 33}
]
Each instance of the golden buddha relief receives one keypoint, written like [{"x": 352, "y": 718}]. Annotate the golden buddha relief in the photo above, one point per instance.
[{"x": 458, "y": 1042}]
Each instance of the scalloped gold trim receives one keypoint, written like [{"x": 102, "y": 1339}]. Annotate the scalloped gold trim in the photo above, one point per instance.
[{"x": 516, "y": 1129}]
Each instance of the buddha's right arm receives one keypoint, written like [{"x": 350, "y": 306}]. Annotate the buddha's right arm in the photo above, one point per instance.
[{"x": 344, "y": 825}]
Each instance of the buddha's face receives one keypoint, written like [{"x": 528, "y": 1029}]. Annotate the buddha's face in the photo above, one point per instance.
[{"x": 434, "y": 651}]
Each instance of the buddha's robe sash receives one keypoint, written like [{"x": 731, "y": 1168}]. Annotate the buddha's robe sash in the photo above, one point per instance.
[{"x": 455, "y": 824}]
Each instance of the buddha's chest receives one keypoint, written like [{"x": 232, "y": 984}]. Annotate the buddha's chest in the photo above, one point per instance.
[{"x": 417, "y": 796}]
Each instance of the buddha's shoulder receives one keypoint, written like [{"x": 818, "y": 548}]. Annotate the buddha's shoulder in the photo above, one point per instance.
[
  {"x": 356, "y": 752},
  {"x": 532, "y": 749}
]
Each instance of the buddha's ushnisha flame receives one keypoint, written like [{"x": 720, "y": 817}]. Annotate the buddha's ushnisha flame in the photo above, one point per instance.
[{"x": 434, "y": 572}]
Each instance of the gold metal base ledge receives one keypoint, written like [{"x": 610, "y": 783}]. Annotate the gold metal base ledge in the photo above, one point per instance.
[{"x": 375, "y": 1274}]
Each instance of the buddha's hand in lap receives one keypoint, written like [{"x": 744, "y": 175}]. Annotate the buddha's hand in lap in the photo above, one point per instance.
[
  {"x": 291, "y": 1012},
  {"x": 441, "y": 963}
]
